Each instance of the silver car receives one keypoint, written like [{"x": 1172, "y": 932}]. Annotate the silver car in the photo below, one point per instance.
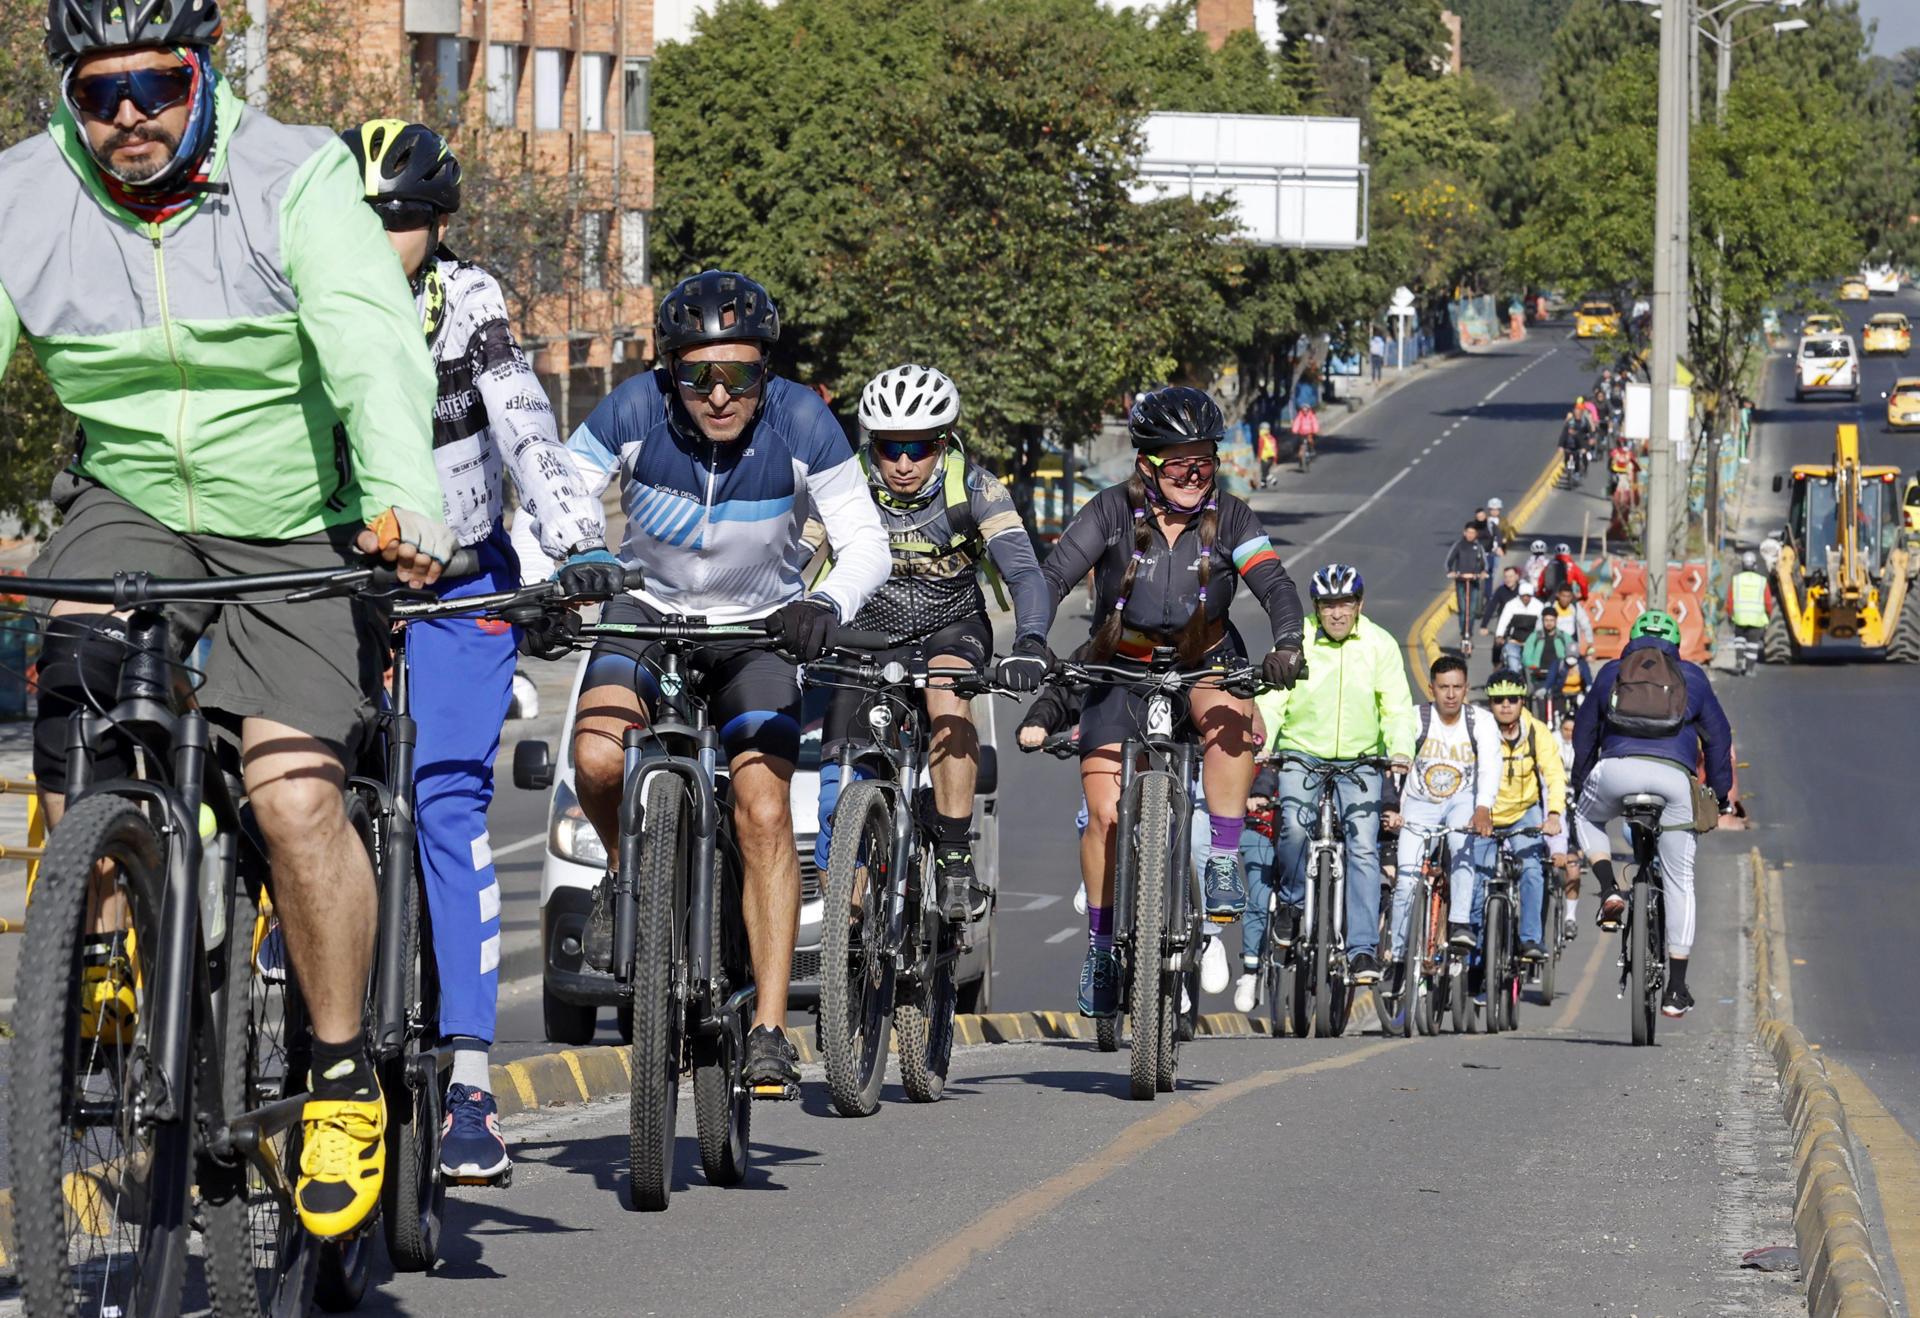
[{"x": 572, "y": 994}]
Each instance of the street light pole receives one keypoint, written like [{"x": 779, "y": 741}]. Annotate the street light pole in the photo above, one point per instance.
[{"x": 1669, "y": 291}]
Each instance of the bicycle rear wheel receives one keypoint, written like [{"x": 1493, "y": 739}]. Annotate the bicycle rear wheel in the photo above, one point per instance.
[
  {"x": 413, "y": 1196},
  {"x": 1106, "y": 1034},
  {"x": 653, "y": 1103},
  {"x": 923, "y": 1026},
  {"x": 1553, "y": 922},
  {"x": 856, "y": 976},
  {"x": 1643, "y": 1010},
  {"x": 1147, "y": 999},
  {"x": 100, "y": 1198}
]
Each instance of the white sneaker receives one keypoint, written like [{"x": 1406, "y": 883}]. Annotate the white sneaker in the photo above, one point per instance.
[
  {"x": 1214, "y": 976},
  {"x": 1080, "y": 899},
  {"x": 1186, "y": 999},
  {"x": 1246, "y": 991}
]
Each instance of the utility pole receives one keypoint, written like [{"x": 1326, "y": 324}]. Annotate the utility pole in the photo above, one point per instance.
[{"x": 1669, "y": 283}]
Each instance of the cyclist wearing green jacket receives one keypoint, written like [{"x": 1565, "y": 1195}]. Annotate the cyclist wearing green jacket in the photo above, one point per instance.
[
  {"x": 211, "y": 298},
  {"x": 1354, "y": 703}
]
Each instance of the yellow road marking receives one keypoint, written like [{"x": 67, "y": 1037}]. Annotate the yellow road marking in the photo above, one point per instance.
[
  {"x": 1895, "y": 1156},
  {"x": 925, "y": 1276},
  {"x": 1596, "y": 957}
]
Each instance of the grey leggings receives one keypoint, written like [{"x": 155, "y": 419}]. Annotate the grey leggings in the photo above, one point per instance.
[{"x": 1613, "y": 780}]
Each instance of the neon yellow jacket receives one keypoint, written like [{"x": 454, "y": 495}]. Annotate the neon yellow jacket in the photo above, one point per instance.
[
  {"x": 1355, "y": 700},
  {"x": 1530, "y": 773}
]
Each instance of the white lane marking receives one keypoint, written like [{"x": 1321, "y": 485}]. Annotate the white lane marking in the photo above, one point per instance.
[
  {"x": 533, "y": 841},
  {"x": 1069, "y": 932},
  {"x": 1030, "y": 901},
  {"x": 1342, "y": 524}
]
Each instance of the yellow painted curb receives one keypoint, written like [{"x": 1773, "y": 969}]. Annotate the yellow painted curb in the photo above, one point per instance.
[{"x": 1829, "y": 1216}]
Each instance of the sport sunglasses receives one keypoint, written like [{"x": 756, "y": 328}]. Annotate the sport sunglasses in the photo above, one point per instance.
[
  {"x": 150, "y": 90},
  {"x": 913, "y": 450},
  {"x": 736, "y": 378},
  {"x": 400, "y": 216},
  {"x": 1183, "y": 469}
]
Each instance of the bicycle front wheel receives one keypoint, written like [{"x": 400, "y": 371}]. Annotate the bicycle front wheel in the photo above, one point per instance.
[
  {"x": 100, "y": 1196},
  {"x": 653, "y": 1103},
  {"x": 856, "y": 964},
  {"x": 1152, "y": 836},
  {"x": 1494, "y": 964},
  {"x": 1326, "y": 1022}
]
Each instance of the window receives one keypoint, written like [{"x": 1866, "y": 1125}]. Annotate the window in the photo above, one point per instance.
[
  {"x": 440, "y": 67},
  {"x": 633, "y": 248},
  {"x": 634, "y": 94},
  {"x": 593, "y": 249},
  {"x": 593, "y": 92},
  {"x": 503, "y": 84},
  {"x": 549, "y": 87}
]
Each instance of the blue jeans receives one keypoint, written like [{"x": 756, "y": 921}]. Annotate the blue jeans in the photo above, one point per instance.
[
  {"x": 1256, "y": 856},
  {"x": 1531, "y": 852},
  {"x": 1360, "y": 810}
]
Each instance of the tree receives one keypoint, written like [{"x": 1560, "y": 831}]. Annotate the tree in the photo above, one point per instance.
[{"x": 1507, "y": 43}]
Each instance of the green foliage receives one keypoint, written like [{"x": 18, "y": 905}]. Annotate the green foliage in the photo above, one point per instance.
[{"x": 1507, "y": 42}]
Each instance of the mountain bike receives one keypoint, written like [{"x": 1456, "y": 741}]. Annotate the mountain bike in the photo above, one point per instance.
[
  {"x": 1544, "y": 974},
  {"x": 1320, "y": 995},
  {"x": 1643, "y": 953},
  {"x": 1504, "y": 971},
  {"x": 887, "y": 952},
  {"x": 159, "y": 1055},
  {"x": 1158, "y": 909},
  {"x": 680, "y": 959}
]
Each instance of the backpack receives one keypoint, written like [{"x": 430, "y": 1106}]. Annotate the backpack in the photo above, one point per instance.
[
  {"x": 1521, "y": 627},
  {"x": 1649, "y": 697}
]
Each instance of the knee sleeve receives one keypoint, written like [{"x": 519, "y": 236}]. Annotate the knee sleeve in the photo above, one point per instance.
[{"x": 79, "y": 668}]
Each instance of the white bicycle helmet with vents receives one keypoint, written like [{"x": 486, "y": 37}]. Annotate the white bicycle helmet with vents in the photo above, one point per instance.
[{"x": 909, "y": 397}]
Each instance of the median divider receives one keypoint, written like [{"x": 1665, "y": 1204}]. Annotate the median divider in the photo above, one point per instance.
[{"x": 1829, "y": 1216}]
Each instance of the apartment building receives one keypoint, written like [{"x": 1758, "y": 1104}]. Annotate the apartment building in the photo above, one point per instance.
[{"x": 566, "y": 85}]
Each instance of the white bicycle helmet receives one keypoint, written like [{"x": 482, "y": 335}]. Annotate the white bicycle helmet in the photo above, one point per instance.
[
  {"x": 909, "y": 397},
  {"x": 1537, "y": 547},
  {"x": 1494, "y": 505},
  {"x": 1336, "y": 581}
]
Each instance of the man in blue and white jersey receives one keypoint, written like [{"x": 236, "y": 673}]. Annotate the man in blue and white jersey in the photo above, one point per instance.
[{"x": 720, "y": 463}]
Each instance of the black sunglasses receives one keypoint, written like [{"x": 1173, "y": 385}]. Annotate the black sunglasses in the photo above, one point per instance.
[
  {"x": 1503, "y": 700},
  {"x": 736, "y": 378},
  {"x": 150, "y": 90},
  {"x": 400, "y": 216},
  {"x": 913, "y": 450}
]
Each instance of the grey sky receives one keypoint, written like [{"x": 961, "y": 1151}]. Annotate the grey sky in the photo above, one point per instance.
[{"x": 1899, "y": 24}]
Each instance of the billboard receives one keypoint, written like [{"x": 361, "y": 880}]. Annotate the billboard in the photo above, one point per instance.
[{"x": 1293, "y": 180}]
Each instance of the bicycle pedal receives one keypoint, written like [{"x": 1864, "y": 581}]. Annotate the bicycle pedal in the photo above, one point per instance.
[
  {"x": 499, "y": 1182},
  {"x": 779, "y": 1091},
  {"x": 1222, "y": 918}
]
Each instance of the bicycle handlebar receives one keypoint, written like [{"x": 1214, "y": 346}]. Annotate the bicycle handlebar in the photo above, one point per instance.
[
  {"x": 127, "y": 590},
  {"x": 1244, "y": 680}
]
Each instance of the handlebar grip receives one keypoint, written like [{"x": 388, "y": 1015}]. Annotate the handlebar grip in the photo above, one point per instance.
[
  {"x": 464, "y": 563},
  {"x": 855, "y": 638},
  {"x": 635, "y": 579}
]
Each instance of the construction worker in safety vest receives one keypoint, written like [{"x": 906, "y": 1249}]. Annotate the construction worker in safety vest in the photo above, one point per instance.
[{"x": 1749, "y": 602}]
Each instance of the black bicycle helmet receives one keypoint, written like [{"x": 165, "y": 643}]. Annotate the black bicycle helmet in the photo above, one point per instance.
[
  {"x": 715, "y": 306},
  {"x": 79, "y": 27},
  {"x": 400, "y": 161},
  {"x": 1177, "y": 414}
]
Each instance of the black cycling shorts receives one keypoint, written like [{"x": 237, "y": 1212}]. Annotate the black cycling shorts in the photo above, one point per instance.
[
  {"x": 970, "y": 640},
  {"x": 752, "y": 693},
  {"x": 1113, "y": 714}
]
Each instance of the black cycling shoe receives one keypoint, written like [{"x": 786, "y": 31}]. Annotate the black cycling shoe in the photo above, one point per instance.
[
  {"x": 1677, "y": 1002},
  {"x": 1363, "y": 969},
  {"x": 1532, "y": 952},
  {"x": 772, "y": 1067},
  {"x": 596, "y": 940},
  {"x": 1460, "y": 937},
  {"x": 953, "y": 866}
]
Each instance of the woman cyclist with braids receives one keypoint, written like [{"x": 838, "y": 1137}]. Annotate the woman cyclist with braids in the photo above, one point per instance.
[{"x": 1166, "y": 547}]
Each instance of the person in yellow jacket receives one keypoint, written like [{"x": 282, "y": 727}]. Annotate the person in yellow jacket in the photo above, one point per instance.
[
  {"x": 1533, "y": 794},
  {"x": 1354, "y": 703}
]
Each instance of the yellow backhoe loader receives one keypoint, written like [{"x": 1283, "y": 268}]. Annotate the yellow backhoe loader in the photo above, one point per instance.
[{"x": 1844, "y": 584}]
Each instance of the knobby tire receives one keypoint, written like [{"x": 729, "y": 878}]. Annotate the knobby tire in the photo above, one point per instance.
[
  {"x": 1152, "y": 836},
  {"x": 665, "y": 851},
  {"x": 856, "y": 980}
]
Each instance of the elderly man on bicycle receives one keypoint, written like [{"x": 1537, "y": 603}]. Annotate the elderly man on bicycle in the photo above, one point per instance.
[{"x": 1353, "y": 704}]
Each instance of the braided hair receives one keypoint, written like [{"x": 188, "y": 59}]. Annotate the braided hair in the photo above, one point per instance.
[{"x": 1193, "y": 640}]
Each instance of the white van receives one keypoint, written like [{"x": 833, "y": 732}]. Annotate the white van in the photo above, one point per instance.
[
  {"x": 1882, "y": 281},
  {"x": 1828, "y": 363}
]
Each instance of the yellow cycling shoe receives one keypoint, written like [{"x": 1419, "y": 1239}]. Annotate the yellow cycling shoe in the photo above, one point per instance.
[
  {"x": 342, "y": 1157},
  {"x": 108, "y": 1010}
]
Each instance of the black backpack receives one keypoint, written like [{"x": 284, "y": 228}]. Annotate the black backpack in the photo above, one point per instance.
[{"x": 1649, "y": 696}]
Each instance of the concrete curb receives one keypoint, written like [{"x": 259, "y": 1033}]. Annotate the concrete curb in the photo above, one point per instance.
[
  {"x": 1829, "y": 1217},
  {"x": 583, "y": 1075}
]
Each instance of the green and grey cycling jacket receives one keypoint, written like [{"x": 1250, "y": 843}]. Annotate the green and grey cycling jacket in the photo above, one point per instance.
[{"x": 251, "y": 366}]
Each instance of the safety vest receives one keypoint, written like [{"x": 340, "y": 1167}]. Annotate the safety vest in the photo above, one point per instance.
[{"x": 1749, "y": 600}]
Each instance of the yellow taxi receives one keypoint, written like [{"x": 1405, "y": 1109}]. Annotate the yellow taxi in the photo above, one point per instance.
[
  {"x": 1888, "y": 332},
  {"x": 1595, "y": 320},
  {"x": 1854, "y": 290},
  {"x": 1821, "y": 323},
  {"x": 1903, "y": 404}
]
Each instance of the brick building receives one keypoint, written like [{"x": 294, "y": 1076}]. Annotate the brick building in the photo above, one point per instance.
[{"x": 567, "y": 81}]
